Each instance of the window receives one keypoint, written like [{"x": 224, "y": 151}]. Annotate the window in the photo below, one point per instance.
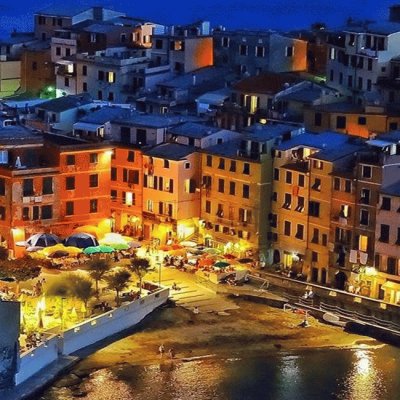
[
  {"x": 110, "y": 77},
  {"x": 159, "y": 44},
  {"x": 47, "y": 185},
  {"x": 131, "y": 156},
  {"x": 28, "y": 187},
  {"x": 365, "y": 196},
  {"x": 366, "y": 171},
  {"x": 300, "y": 204},
  {"x": 221, "y": 185},
  {"x": 221, "y": 164},
  {"x": 324, "y": 239},
  {"x": 243, "y": 49},
  {"x": 314, "y": 256},
  {"x": 2, "y": 187},
  {"x": 289, "y": 50},
  {"x": 84, "y": 86},
  {"x": 288, "y": 201},
  {"x": 47, "y": 212},
  {"x": 94, "y": 158},
  {"x": 344, "y": 211},
  {"x": 301, "y": 180},
  {"x": 313, "y": 208},
  {"x": 123, "y": 37},
  {"x": 93, "y": 38},
  {"x": 246, "y": 191},
  {"x": 260, "y": 51},
  {"x": 225, "y": 42},
  {"x": 232, "y": 168},
  {"x": 58, "y": 51},
  {"x": 318, "y": 164},
  {"x": 66, "y": 82},
  {"x": 317, "y": 184},
  {"x": 35, "y": 213},
  {"x": 34, "y": 66},
  {"x": 208, "y": 206},
  {"x": 287, "y": 228},
  {"x": 288, "y": 178},
  {"x": 113, "y": 195},
  {"x": 340, "y": 122},
  {"x": 315, "y": 236},
  {"x": 300, "y": 232},
  {"x": 100, "y": 75},
  {"x": 385, "y": 231},
  {"x": 347, "y": 186},
  {"x": 364, "y": 217},
  {"x": 391, "y": 266},
  {"x": 69, "y": 208},
  {"x": 386, "y": 203},
  {"x": 70, "y": 159},
  {"x": 350, "y": 81},
  {"x": 84, "y": 70},
  {"x": 246, "y": 168},
  {"x": 336, "y": 183},
  {"x": 125, "y": 134},
  {"x": 70, "y": 183},
  {"x": 398, "y": 236},
  {"x": 110, "y": 96},
  {"x": 362, "y": 121},
  {"x": 150, "y": 205},
  {"x": 187, "y": 165},
  {"x": 232, "y": 187},
  {"x": 2, "y": 213},
  {"x": 209, "y": 161},
  {"x": 274, "y": 196},
  {"x": 276, "y": 174},
  {"x": 93, "y": 204},
  {"x": 93, "y": 180},
  {"x": 25, "y": 214},
  {"x": 113, "y": 173}
]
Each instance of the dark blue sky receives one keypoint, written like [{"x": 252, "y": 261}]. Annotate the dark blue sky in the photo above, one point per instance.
[{"x": 266, "y": 14}]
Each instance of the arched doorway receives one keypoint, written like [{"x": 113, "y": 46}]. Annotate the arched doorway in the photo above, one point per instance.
[{"x": 340, "y": 280}]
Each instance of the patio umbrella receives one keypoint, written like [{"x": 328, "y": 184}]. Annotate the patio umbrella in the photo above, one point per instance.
[
  {"x": 73, "y": 250},
  {"x": 32, "y": 249},
  {"x": 212, "y": 250},
  {"x": 106, "y": 249},
  {"x": 165, "y": 247},
  {"x": 176, "y": 246},
  {"x": 188, "y": 243},
  {"x": 91, "y": 250},
  {"x": 221, "y": 264},
  {"x": 206, "y": 262},
  {"x": 43, "y": 240},
  {"x": 134, "y": 245},
  {"x": 81, "y": 240},
  {"x": 118, "y": 246},
  {"x": 90, "y": 229}
]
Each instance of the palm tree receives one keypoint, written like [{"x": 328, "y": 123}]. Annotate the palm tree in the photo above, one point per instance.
[
  {"x": 118, "y": 281},
  {"x": 140, "y": 267},
  {"x": 81, "y": 287},
  {"x": 97, "y": 269}
]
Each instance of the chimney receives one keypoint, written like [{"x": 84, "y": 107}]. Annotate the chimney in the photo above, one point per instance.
[{"x": 394, "y": 13}]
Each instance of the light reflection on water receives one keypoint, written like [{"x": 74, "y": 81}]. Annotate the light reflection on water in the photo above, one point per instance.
[{"x": 362, "y": 374}]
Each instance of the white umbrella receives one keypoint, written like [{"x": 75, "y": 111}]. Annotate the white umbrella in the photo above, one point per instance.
[{"x": 188, "y": 243}]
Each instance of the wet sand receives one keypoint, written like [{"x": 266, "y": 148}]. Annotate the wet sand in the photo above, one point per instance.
[{"x": 251, "y": 329}]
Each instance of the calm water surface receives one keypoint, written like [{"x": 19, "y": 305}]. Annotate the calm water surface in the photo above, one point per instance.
[{"x": 361, "y": 374}]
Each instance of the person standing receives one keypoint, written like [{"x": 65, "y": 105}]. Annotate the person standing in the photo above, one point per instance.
[{"x": 161, "y": 350}]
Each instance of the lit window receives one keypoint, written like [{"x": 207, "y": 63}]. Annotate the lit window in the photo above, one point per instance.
[
  {"x": 111, "y": 77},
  {"x": 363, "y": 243}
]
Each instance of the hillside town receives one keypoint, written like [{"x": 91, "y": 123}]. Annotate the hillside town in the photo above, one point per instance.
[{"x": 279, "y": 146}]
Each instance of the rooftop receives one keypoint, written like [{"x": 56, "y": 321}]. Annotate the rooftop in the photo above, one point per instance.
[
  {"x": 381, "y": 27},
  {"x": 150, "y": 120},
  {"x": 65, "y": 9},
  {"x": 333, "y": 154},
  {"x": 265, "y": 132},
  {"x": 11, "y": 134},
  {"x": 65, "y": 103},
  {"x": 106, "y": 114},
  {"x": 171, "y": 151},
  {"x": 324, "y": 140},
  {"x": 393, "y": 190},
  {"x": 193, "y": 130}
]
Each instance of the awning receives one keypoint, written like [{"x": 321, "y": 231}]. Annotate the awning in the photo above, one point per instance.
[
  {"x": 85, "y": 126},
  {"x": 391, "y": 285}
]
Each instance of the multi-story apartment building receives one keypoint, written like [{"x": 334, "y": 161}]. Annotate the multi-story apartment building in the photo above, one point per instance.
[
  {"x": 105, "y": 76},
  {"x": 300, "y": 208},
  {"x": 171, "y": 194},
  {"x": 184, "y": 48},
  {"x": 55, "y": 17},
  {"x": 357, "y": 120},
  {"x": 236, "y": 190},
  {"x": 360, "y": 55},
  {"x": 387, "y": 244},
  {"x": 254, "y": 52}
]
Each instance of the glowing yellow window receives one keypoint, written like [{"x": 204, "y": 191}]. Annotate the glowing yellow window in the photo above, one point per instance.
[
  {"x": 111, "y": 77},
  {"x": 363, "y": 243}
]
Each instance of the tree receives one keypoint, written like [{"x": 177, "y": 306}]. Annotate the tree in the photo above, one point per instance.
[
  {"x": 81, "y": 287},
  {"x": 118, "y": 281},
  {"x": 21, "y": 269},
  {"x": 140, "y": 267},
  {"x": 97, "y": 269}
]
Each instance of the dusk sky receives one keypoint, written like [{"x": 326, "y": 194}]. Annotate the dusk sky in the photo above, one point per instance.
[{"x": 281, "y": 14}]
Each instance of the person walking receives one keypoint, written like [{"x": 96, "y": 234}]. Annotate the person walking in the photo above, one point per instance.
[{"x": 161, "y": 350}]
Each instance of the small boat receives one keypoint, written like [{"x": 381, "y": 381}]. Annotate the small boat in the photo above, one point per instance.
[{"x": 333, "y": 319}]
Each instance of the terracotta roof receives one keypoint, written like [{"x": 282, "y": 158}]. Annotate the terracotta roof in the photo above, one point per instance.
[{"x": 265, "y": 83}]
